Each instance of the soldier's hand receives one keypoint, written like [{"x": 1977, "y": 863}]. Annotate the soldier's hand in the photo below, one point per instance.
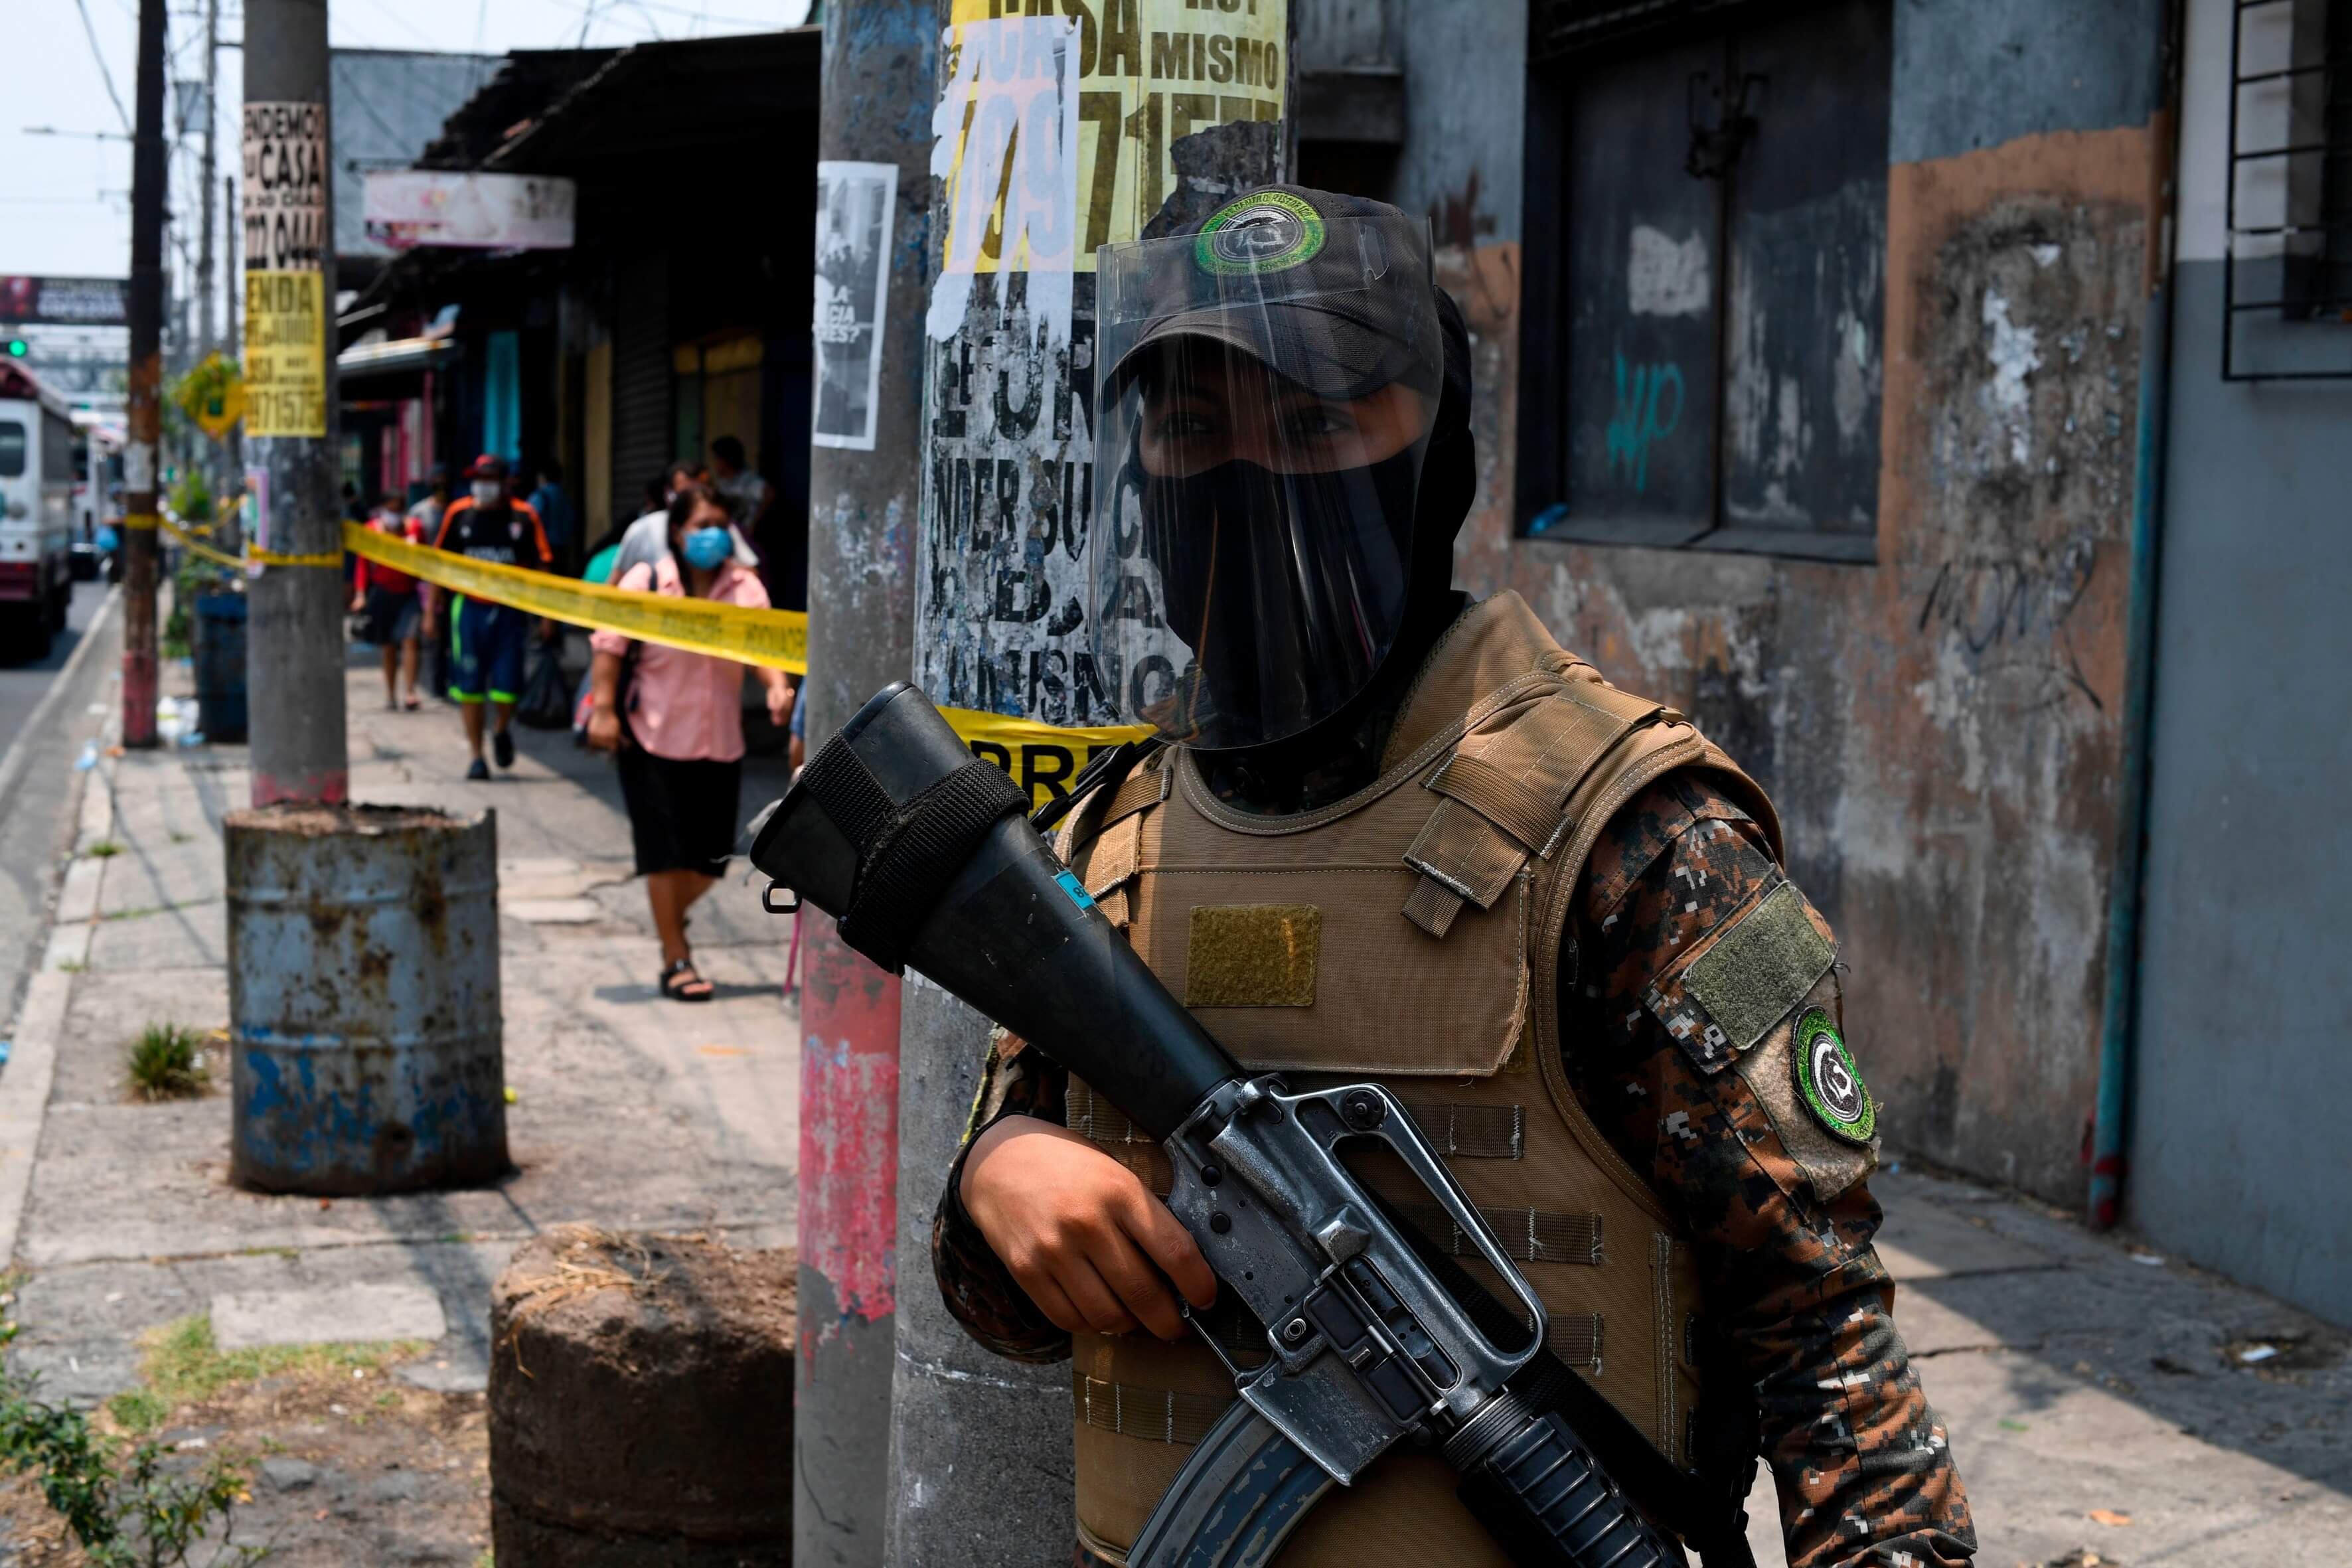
[{"x": 1080, "y": 1233}]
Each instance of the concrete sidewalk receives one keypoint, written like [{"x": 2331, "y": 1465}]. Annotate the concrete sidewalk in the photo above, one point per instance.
[
  {"x": 630, "y": 1110},
  {"x": 2085, "y": 1379}
]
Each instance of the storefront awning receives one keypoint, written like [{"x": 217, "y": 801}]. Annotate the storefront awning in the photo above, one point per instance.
[{"x": 398, "y": 357}]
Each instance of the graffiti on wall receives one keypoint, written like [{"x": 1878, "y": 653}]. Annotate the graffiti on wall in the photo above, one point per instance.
[{"x": 1649, "y": 405}]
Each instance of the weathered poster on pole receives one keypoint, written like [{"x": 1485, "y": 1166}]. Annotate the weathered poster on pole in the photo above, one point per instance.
[
  {"x": 285, "y": 226},
  {"x": 286, "y": 354},
  {"x": 1053, "y": 135},
  {"x": 1151, "y": 76},
  {"x": 285, "y": 189},
  {"x": 857, "y": 204}
]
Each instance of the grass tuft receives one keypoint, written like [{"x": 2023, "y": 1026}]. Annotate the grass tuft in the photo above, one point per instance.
[
  {"x": 138, "y": 1412},
  {"x": 182, "y": 1364},
  {"x": 167, "y": 1062},
  {"x": 104, "y": 850}
]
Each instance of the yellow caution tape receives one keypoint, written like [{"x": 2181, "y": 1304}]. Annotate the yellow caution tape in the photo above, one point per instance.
[
  {"x": 777, "y": 640},
  {"x": 188, "y": 543},
  {"x": 1041, "y": 758},
  {"x": 141, "y": 522},
  {"x": 275, "y": 558}
]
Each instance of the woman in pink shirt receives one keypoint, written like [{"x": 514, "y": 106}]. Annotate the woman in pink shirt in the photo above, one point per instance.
[{"x": 681, "y": 738}]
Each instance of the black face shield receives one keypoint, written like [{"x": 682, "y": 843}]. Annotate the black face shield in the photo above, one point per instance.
[{"x": 1272, "y": 384}]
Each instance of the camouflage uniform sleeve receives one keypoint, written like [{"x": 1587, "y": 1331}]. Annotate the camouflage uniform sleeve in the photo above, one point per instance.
[
  {"x": 1779, "y": 1211},
  {"x": 978, "y": 1288}
]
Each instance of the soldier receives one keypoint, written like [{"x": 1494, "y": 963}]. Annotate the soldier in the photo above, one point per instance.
[{"x": 1402, "y": 835}]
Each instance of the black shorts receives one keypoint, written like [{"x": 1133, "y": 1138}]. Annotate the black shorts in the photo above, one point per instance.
[
  {"x": 681, "y": 814},
  {"x": 394, "y": 616}
]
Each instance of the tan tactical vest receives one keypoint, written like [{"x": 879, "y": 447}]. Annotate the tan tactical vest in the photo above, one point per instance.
[{"x": 1408, "y": 934}]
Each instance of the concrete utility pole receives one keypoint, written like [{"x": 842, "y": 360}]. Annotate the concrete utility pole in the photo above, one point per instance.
[
  {"x": 139, "y": 505},
  {"x": 294, "y": 663},
  {"x": 204, "y": 341},
  {"x": 233, "y": 525},
  {"x": 981, "y": 1449},
  {"x": 876, "y": 199}
]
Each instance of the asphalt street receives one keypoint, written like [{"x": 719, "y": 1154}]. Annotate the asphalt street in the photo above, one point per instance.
[{"x": 50, "y": 709}]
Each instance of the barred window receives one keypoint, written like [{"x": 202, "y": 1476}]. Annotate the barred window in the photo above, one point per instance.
[{"x": 2288, "y": 264}]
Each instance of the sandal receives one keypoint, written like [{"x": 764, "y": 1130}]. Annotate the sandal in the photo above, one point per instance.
[{"x": 678, "y": 980}]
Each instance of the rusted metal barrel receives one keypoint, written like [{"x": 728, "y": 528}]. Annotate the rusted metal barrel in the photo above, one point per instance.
[{"x": 364, "y": 999}]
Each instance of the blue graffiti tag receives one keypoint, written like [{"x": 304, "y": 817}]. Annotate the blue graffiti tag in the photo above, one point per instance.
[{"x": 1637, "y": 422}]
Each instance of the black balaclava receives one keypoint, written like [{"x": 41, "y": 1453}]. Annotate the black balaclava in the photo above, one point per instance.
[{"x": 1341, "y": 753}]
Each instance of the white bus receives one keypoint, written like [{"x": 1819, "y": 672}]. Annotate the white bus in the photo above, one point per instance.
[
  {"x": 37, "y": 486},
  {"x": 98, "y": 473}
]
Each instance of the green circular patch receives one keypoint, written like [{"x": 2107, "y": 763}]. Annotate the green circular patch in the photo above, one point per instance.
[
  {"x": 1830, "y": 1083},
  {"x": 1271, "y": 231}
]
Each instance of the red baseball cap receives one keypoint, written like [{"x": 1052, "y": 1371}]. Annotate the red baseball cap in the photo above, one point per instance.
[{"x": 489, "y": 465}]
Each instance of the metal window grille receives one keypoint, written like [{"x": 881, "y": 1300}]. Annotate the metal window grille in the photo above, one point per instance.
[{"x": 2287, "y": 260}]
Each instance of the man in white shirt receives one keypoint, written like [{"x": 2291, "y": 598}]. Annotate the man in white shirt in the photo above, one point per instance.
[{"x": 749, "y": 496}]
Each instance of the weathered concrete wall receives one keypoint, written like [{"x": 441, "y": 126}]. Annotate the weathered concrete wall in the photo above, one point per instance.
[{"x": 1940, "y": 728}]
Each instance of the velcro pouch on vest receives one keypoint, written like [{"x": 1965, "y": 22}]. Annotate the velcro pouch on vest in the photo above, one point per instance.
[
  {"x": 1504, "y": 791},
  {"x": 1721, "y": 997}
]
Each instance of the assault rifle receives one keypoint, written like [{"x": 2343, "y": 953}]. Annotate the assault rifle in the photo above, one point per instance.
[{"x": 1376, "y": 1337}]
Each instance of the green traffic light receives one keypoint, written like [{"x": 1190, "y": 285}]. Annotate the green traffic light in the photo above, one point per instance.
[{"x": 15, "y": 348}]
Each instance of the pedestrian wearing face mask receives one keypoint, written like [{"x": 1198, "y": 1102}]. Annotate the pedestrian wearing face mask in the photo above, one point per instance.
[
  {"x": 678, "y": 727},
  {"x": 488, "y": 640}
]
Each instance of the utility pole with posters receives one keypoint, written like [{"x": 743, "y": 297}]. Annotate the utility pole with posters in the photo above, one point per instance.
[
  {"x": 979, "y": 1445},
  {"x": 873, "y": 191},
  {"x": 294, "y": 663},
  {"x": 141, "y": 505}
]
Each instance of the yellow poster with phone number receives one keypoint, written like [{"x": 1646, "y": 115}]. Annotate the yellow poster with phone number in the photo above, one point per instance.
[
  {"x": 1151, "y": 73},
  {"x": 285, "y": 354}
]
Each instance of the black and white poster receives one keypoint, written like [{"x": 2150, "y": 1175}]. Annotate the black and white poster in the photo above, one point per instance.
[
  {"x": 285, "y": 189},
  {"x": 855, "y": 205}
]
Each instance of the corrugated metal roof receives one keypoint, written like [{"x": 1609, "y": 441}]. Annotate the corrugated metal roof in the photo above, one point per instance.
[
  {"x": 671, "y": 95},
  {"x": 387, "y": 106}
]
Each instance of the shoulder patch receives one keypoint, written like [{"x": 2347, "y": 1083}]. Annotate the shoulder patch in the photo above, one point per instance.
[
  {"x": 1743, "y": 979},
  {"x": 1828, "y": 1081}
]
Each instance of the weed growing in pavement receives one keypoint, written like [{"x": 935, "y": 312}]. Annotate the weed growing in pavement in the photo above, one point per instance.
[
  {"x": 180, "y": 1364},
  {"x": 137, "y": 1410},
  {"x": 104, "y": 850},
  {"x": 121, "y": 1504},
  {"x": 72, "y": 966},
  {"x": 167, "y": 1062}
]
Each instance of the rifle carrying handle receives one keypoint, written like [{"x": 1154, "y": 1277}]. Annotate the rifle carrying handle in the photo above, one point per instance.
[{"x": 1543, "y": 1494}]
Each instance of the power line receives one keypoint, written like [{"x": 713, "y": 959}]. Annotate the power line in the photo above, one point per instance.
[
  {"x": 99, "y": 56},
  {"x": 381, "y": 9}
]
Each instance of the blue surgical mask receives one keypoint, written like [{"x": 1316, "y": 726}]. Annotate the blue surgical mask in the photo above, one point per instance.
[{"x": 707, "y": 547}]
